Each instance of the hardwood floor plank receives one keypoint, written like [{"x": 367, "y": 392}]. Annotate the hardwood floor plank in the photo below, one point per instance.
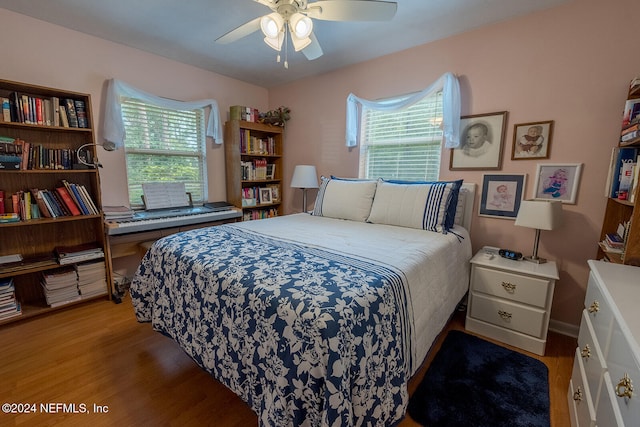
[{"x": 98, "y": 354}]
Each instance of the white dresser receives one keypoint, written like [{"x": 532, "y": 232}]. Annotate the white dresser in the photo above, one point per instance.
[
  {"x": 605, "y": 383},
  {"x": 510, "y": 301}
]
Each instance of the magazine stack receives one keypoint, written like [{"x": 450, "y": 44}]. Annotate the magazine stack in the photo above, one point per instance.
[
  {"x": 92, "y": 279},
  {"x": 9, "y": 307},
  {"x": 60, "y": 286}
]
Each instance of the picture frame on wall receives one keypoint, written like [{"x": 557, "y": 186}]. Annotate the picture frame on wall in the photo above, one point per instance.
[
  {"x": 557, "y": 181},
  {"x": 481, "y": 142},
  {"x": 532, "y": 140},
  {"x": 502, "y": 195}
]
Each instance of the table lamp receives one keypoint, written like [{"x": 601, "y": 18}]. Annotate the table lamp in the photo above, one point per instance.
[
  {"x": 541, "y": 215},
  {"x": 305, "y": 177}
]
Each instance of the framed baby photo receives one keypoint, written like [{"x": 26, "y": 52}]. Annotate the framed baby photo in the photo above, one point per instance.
[
  {"x": 557, "y": 182},
  {"x": 265, "y": 196},
  {"x": 481, "y": 142},
  {"x": 532, "y": 140},
  {"x": 501, "y": 195}
]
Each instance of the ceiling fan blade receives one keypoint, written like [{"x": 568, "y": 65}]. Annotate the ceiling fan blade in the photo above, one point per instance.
[
  {"x": 353, "y": 10},
  {"x": 240, "y": 32},
  {"x": 314, "y": 50}
]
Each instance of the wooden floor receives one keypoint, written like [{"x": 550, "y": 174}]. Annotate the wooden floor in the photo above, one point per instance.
[{"x": 94, "y": 365}]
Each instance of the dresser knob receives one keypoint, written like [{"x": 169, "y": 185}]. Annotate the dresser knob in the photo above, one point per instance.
[
  {"x": 504, "y": 315},
  {"x": 586, "y": 352},
  {"x": 624, "y": 387},
  {"x": 577, "y": 395},
  {"x": 509, "y": 287},
  {"x": 594, "y": 307}
]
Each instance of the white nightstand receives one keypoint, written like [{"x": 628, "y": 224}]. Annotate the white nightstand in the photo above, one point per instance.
[{"x": 510, "y": 301}]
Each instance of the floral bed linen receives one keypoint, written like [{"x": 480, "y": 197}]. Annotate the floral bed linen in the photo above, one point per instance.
[{"x": 296, "y": 316}]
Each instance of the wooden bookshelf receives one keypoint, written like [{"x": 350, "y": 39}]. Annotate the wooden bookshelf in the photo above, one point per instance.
[
  {"x": 620, "y": 211},
  {"x": 35, "y": 239},
  {"x": 242, "y": 146}
]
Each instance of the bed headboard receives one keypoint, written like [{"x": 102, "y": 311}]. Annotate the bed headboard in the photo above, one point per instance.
[{"x": 466, "y": 201}]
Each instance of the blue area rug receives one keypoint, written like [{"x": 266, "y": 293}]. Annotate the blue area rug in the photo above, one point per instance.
[{"x": 472, "y": 382}]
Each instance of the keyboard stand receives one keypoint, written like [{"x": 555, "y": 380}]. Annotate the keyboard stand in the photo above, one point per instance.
[{"x": 128, "y": 244}]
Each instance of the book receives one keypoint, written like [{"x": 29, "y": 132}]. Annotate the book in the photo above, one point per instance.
[
  {"x": 634, "y": 184},
  {"x": 622, "y": 155},
  {"x": 66, "y": 198},
  {"x": 64, "y": 120},
  {"x": 1, "y": 201},
  {"x": 6, "y": 110},
  {"x": 72, "y": 116},
  {"x": 81, "y": 113}
]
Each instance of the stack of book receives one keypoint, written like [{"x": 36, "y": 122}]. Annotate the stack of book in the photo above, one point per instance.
[
  {"x": 9, "y": 307},
  {"x": 92, "y": 279},
  {"x": 614, "y": 243},
  {"x": 78, "y": 253},
  {"x": 60, "y": 286},
  {"x": 112, "y": 213}
]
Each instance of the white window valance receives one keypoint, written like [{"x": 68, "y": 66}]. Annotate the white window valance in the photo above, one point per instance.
[
  {"x": 117, "y": 90},
  {"x": 447, "y": 83}
]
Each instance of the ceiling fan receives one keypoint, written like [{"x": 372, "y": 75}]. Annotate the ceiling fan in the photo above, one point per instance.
[{"x": 295, "y": 15}]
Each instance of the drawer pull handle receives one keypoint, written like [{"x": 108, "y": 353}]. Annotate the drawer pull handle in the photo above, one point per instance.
[
  {"x": 586, "y": 352},
  {"x": 509, "y": 287},
  {"x": 504, "y": 315},
  {"x": 594, "y": 307},
  {"x": 577, "y": 395},
  {"x": 624, "y": 387}
]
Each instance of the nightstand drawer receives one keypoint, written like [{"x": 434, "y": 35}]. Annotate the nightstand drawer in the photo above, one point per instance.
[
  {"x": 514, "y": 287},
  {"x": 505, "y": 314}
]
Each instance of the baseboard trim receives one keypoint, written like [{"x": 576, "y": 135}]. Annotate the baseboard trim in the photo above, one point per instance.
[{"x": 563, "y": 328}]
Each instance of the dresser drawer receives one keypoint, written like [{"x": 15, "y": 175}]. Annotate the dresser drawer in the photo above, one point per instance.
[
  {"x": 579, "y": 397},
  {"x": 624, "y": 368},
  {"x": 514, "y": 287},
  {"x": 599, "y": 312},
  {"x": 591, "y": 355},
  {"x": 508, "y": 315},
  {"x": 608, "y": 411}
]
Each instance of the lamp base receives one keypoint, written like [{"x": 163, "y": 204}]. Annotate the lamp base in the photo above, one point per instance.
[{"x": 535, "y": 259}]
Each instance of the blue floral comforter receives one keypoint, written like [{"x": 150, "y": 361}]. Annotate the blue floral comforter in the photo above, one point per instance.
[{"x": 304, "y": 335}]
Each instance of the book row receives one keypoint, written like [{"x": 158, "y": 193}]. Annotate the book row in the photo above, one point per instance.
[
  {"x": 257, "y": 169},
  {"x": 35, "y": 110},
  {"x": 259, "y": 214},
  {"x": 67, "y": 199},
  {"x": 623, "y": 173},
  {"x": 265, "y": 146},
  {"x": 22, "y": 155}
]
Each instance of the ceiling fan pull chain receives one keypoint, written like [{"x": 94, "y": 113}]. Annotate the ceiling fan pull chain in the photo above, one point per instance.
[{"x": 286, "y": 45}]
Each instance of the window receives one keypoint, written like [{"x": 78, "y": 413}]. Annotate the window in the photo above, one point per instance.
[
  {"x": 164, "y": 145},
  {"x": 403, "y": 144}
]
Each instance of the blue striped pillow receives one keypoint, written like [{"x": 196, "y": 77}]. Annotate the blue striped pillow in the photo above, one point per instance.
[{"x": 422, "y": 205}]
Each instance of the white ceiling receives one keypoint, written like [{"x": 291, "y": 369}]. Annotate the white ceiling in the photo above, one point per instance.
[{"x": 185, "y": 31}]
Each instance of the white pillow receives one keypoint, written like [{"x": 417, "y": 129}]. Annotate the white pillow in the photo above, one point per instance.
[
  {"x": 345, "y": 198},
  {"x": 423, "y": 206}
]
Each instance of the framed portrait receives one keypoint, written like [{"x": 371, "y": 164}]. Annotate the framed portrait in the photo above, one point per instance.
[
  {"x": 557, "y": 182},
  {"x": 501, "y": 195},
  {"x": 481, "y": 142},
  {"x": 271, "y": 171},
  {"x": 265, "y": 195},
  {"x": 532, "y": 140}
]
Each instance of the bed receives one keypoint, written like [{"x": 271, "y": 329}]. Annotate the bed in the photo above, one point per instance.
[{"x": 322, "y": 318}]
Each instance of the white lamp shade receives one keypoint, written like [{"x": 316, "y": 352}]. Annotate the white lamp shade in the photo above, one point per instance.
[
  {"x": 540, "y": 214},
  {"x": 304, "y": 176}
]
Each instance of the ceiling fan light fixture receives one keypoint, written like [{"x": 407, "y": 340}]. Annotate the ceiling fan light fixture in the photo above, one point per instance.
[
  {"x": 275, "y": 42},
  {"x": 300, "y": 26},
  {"x": 272, "y": 25},
  {"x": 299, "y": 44}
]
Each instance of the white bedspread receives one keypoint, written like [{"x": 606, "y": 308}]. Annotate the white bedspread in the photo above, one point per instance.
[{"x": 436, "y": 265}]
